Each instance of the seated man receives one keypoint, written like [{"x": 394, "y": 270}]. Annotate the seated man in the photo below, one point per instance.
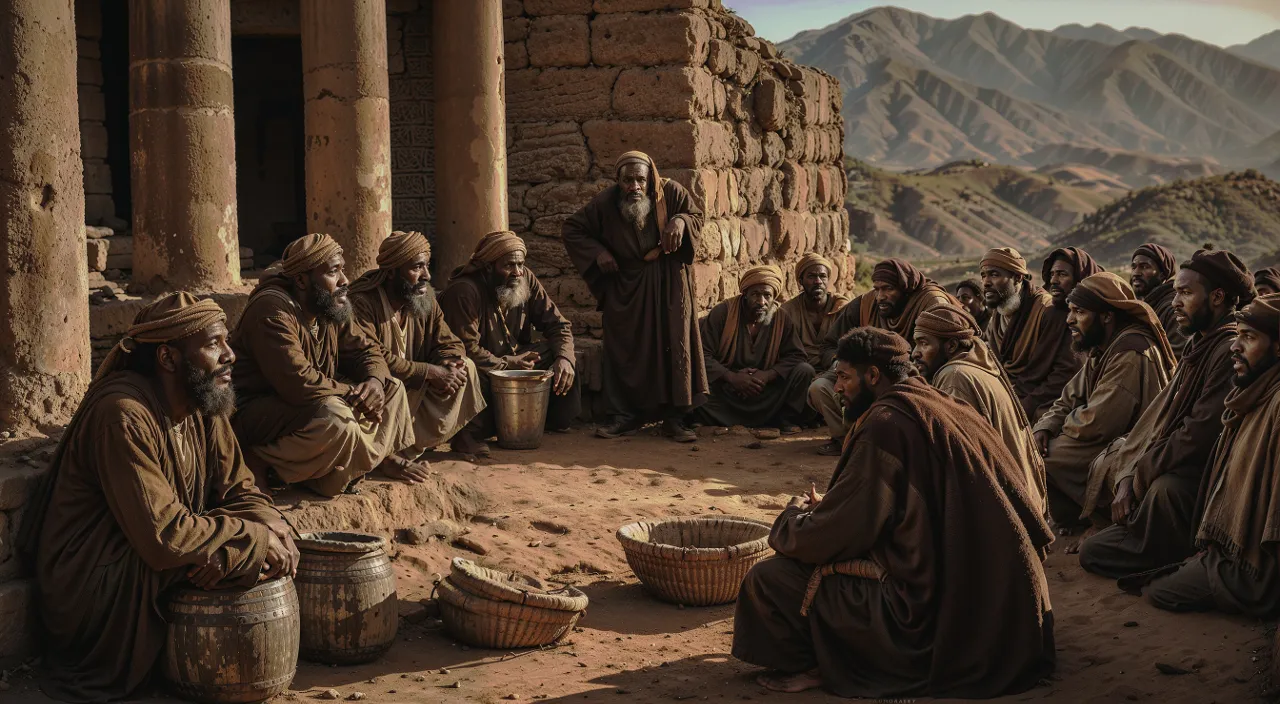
[
  {"x": 147, "y": 490},
  {"x": 949, "y": 355},
  {"x": 395, "y": 306},
  {"x": 889, "y": 585},
  {"x": 1129, "y": 364},
  {"x": 1158, "y": 468},
  {"x": 1152, "y": 269},
  {"x": 1267, "y": 281},
  {"x": 815, "y": 308},
  {"x": 1064, "y": 269},
  {"x": 1238, "y": 567},
  {"x": 318, "y": 405},
  {"x": 900, "y": 293},
  {"x": 969, "y": 293},
  {"x": 494, "y": 304},
  {"x": 755, "y": 362}
]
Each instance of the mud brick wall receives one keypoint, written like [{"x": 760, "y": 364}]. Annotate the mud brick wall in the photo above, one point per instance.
[
  {"x": 18, "y": 476},
  {"x": 413, "y": 189},
  {"x": 755, "y": 138}
]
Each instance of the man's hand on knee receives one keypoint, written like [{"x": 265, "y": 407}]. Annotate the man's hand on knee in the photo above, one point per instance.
[{"x": 368, "y": 398}]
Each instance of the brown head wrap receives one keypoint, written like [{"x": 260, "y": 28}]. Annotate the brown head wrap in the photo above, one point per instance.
[
  {"x": 946, "y": 323},
  {"x": 492, "y": 247},
  {"x": 899, "y": 274},
  {"x": 813, "y": 259},
  {"x": 1268, "y": 277},
  {"x": 305, "y": 253},
  {"x": 1006, "y": 258},
  {"x": 1161, "y": 255},
  {"x": 394, "y": 252},
  {"x": 1263, "y": 315},
  {"x": 1223, "y": 270},
  {"x": 1105, "y": 292},
  {"x": 767, "y": 274},
  {"x": 1081, "y": 263},
  {"x": 876, "y": 346},
  {"x": 171, "y": 317},
  {"x": 655, "y": 183}
]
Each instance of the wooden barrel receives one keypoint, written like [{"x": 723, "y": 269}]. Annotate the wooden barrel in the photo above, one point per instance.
[
  {"x": 346, "y": 597},
  {"x": 227, "y": 647}
]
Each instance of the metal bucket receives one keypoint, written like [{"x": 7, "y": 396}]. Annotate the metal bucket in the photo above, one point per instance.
[{"x": 520, "y": 399}]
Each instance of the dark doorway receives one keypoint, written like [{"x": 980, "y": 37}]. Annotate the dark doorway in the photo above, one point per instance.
[
  {"x": 270, "y": 177},
  {"x": 115, "y": 95}
]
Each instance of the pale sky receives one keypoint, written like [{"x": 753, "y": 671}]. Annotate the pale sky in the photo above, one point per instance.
[{"x": 1221, "y": 22}]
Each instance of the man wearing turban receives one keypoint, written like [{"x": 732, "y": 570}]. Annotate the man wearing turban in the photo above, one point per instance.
[
  {"x": 814, "y": 309},
  {"x": 1267, "y": 281},
  {"x": 949, "y": 355},
  {"x": 887, "y": 586},
  {"x": 318, "y": 405},
  {"x": 757, "y": 368},
  {"x": 494, "y": 304},
  {"x": 1129, "y": 363},
  {"x": 147, "y": 490},
  {"x": 1157, "y": 470},
  {"x": 395, "y": 306},
  {"x": 633, "y": 243},
  {"x": 1152, "y": 270},
  {"x": 1065, "y": 268},
  {"x": 1237, "y": 567},
  {"x": 1026, "y": 331},
  {"x": 899, "y": 295}
]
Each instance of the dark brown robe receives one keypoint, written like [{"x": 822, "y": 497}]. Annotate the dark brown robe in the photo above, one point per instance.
[
  {"x": 654, "y": 356},
  {"x": 783, "y": 399},
  {"x": 1035, "y": 348},
  {"x": 1161, "y": 301},
  {"x": 862, "y": 312},
  {"x": 813, "y": 331},
  {"x": 928, "y": 494},
  {"x": 284, "y": 370},
  {"x": 126, "y": 511},
  {"x": 426, "y": 341}
]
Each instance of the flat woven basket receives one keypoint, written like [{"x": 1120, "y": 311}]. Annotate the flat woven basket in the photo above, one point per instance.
[
  {"x": 697, "y": 561},
  {"x": 514, "y": 587},
  {"x": 488, "y": 623}
]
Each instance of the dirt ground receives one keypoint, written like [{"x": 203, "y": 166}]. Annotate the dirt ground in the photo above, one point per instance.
[{"x": 553, "y": 513}]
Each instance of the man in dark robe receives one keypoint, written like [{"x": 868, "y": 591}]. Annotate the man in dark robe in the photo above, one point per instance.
[
  {"x": 1267, "y": 281},
  {"x": 918, "y": 573},
  {"x": 1152, "y": 269},
  {"x": 1027, "y": 332},
  {"x": 1157, "y": 470},
  {"x": 1238, "y": 567},
  {"x": 757, "y": 368},
  {"x": 900, "y": 293},
  {"x": 494, "y": 304},
  {"x": 1129, "y": 364},
  {"x": 969, "y": 293},
  {"x": 1063, "y": 269},
  {"x": 317, "y": 403},
  {"x": 633, "y": 244},
  {"x": 813, "y": 311},
  {"x": 147, "y": 490},
  {"x": 395, "y": 306}
]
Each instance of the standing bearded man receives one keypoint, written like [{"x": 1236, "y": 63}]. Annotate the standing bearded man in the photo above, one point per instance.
[
  {"x": 1064, "y": 269},
  {"x": 1129, "y": 364},
  {"x": 1027, "y": 332},
  {"x": 900, "y": 293},
  {"x": 1158, "y": 469},
  {"x": 494, "y": 304},
  {"x": 395, "y": 306},
  {"x": 813, "y": 311},
  {"x": 1152, "y": 269},
  {"x": 318, "y": 403},
  {"x": 1238, "y": 569},
  {"x": 757, "y": 368},
  {"x": 949, "y": 355},
  {"x": 147, "y": 490},
  {"x": 633, "y": 244},
  {"x": 891, "y": 583}
]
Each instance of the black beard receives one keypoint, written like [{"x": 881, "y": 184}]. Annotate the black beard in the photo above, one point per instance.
[
  {"x": 854, "y": 409},
  {"x": 419, "y": 303},
  {"x": 209, "y": 397},
  {"x": 928, "y": 371},
  {"x": 1197, "y": 322},
  {"x": 1244, "y": 382},
  {"x": 1089, "y": 339},
  {"x": 817, "y": 295},
  {"x": 895, "y": 311},
  {"x": 327, "y": 306},
  {"x": 1143, "y": 287}
]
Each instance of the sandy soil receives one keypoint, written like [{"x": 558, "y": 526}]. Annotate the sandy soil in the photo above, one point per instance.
[{"x": 553, "y": 513}]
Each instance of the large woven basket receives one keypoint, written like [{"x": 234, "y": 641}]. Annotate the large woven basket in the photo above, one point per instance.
[
  {"x": 697, "y": 561},
  {"x": 491, "y": 609}
]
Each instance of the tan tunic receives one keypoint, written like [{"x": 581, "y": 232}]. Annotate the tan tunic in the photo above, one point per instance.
[{"x": 813, "y": 328}]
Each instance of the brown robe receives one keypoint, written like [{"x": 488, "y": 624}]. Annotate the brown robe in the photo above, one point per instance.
[
  {"x": 132, "y": 504},
  {"x": 1166, "y": 454},
  {"x": 654, "y": 356},
  {"x": 426, "y": 341},
  {"x": 813, "y": 331},
  {"x": 490, "y": 336},
  {"x": 926, "y": 494},
  {"x": 862, "y": 312},
  {"x": 1035, "y": 348},
  {"x": 284, "y": 371},
  {"x": 775, "y": 347},
  {"x": 1161, "y": 301}
]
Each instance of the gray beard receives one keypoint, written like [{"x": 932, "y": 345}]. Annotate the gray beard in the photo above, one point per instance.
[
  {"x": 767, "y": 318},
  {"x": 636, "y": 212},
  {"x": 420, "y": 306},
  {"x": 512, "y": 296},
  {"x": 1011, "y": 304}
]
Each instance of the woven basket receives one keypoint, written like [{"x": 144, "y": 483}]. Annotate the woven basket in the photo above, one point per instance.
[
  {"x": 488, "y": 623},
  {"x": 697, "y": 561},
  {"x": 513, "y": 587}
]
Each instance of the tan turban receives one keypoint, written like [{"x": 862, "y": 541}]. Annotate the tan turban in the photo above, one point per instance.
[
  {"x": 1263, "y": 315},
  {"x": 757, "y": 275},
  {"x": 305, "y": 253},
  {"x": 400, "y": 249},
  {"x": 1006, "y": 258},
  {"x": 1104, "y": 292},
  {"x": 813, "y": 259},
  {"x": 492, "y": 247},
  {"x": 946, "y": 323},
  {"x": 655, "y": 183},
  {"x": 171, "y": 317}
]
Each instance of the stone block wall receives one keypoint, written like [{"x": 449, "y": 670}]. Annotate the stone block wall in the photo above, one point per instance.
[
  {"x": 413, "y": 188},
  {"x": 756, "y": 138},
  {"x": 18, "y": 476},
  {"x": 99, "y": 205}
]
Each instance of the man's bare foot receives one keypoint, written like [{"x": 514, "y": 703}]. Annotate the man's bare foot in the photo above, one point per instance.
[
  {"x": 790, "y": 684},
  {"x": 400, "y": 469},
  {"x": 1074, "y": 548}
]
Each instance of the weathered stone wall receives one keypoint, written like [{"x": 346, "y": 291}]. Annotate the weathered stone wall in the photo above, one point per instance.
[
  {"x": 754, "y": 137},
  {"x": 413, "y": 190},
  {"x": 99, "y": 206}
]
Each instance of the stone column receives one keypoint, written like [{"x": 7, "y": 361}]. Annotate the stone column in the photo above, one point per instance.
[
  {"x": 44, "y": 294},
  {"x": 348, "y": 124},
  {"x": 470, "y": 128},
  {"x": 182, "y": 135}
]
